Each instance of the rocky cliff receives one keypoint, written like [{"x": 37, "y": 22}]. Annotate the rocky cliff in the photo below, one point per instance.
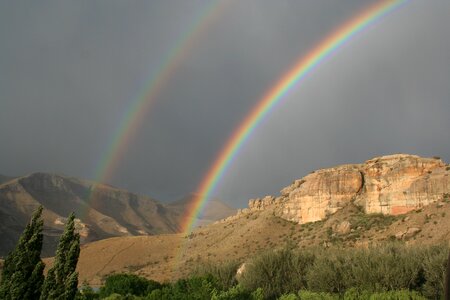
[{"x": 393, "y": 184}]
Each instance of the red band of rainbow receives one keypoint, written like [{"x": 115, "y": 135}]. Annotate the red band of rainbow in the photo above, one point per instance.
[{"x": 301, "y": 69}]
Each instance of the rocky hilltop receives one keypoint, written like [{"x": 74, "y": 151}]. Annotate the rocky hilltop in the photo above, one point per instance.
[{"x": 391, "y": 185}]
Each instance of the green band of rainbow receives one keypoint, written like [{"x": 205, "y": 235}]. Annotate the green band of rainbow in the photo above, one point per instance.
[{"x": 302, "y": 68}]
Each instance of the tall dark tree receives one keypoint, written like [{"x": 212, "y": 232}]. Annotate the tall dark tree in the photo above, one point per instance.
[
  {"x": 62, "y": 279},
  {"x": 22, "y": 274}
]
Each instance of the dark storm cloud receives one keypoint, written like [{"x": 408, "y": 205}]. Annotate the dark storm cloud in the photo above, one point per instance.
[{"x": 69, "y": 71}]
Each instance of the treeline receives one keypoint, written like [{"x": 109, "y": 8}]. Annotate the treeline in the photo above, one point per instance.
[
  {"x": 22, "y": 276},
  {"x": 393, "y": 271}
]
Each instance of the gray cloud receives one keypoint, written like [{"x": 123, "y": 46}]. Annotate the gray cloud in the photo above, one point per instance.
[{"x": 70, "y": 70}]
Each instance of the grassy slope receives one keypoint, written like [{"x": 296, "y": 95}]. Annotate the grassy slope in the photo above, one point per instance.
[{"x": 167, "y": 257}]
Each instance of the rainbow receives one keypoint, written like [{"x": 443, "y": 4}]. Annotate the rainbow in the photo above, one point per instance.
[
  {"x": 135, "y": 115},
  {"x": 294, "y": 76}
]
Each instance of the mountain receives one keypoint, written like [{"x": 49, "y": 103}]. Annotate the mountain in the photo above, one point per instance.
[
  {"x": 4, "y": 178},
  {"x": 214, "y": 209},
  {"x": 397, "y": 197},
  {"x": 102, "y": 211}
]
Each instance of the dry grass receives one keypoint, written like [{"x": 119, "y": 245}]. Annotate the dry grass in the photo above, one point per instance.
[{"x": 171, "y": 256}]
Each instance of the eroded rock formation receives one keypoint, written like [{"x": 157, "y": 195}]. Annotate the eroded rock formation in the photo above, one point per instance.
[{"x": 393, "y": 184}]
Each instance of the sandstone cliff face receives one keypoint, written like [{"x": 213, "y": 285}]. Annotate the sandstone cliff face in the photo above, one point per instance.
[
  {"x": 393, "y": 184},
  {"x": 397, "y": 184}
]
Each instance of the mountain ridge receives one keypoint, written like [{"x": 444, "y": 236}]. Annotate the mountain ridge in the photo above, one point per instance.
[{"x": 102, "y": 211}]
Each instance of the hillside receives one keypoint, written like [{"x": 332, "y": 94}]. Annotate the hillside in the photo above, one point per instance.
[
  {"x": 102, "y": 212},
  {"x": 267, "y": 224},
  {"x": 170, "y": 256}
]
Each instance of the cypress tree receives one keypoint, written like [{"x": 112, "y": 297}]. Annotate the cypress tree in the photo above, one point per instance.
[
  {"x": 62, "y": 279},
  {"x": 22, "y": 274}
]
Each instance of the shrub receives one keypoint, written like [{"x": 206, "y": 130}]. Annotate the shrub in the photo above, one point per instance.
[
  {"x": 395, "y": 295},
  {"x": 192, "y": 288},
  {"x": 434, "y": 262},
  {"x": 308, "y": 295},
  {"x": 327, "y": 273},
  {"x": 127, "y": 284},
  {"x": 224, "y": 273},
  {"x": 86, "y": 293},
  {"x": 277, "y": 272},
  {"x": 289, "y": 297},
  {"x": 236, "y": 292},
  {"x": 390, "y": 267}
]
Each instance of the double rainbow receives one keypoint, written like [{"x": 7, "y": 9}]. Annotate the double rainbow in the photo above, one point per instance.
[{"x": 302, "y": 68}]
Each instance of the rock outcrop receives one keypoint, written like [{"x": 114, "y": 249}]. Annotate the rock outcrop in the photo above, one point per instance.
[{"x": 393, "y": 184}]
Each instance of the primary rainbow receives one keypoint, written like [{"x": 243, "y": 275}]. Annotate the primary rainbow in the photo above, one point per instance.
[
  {"x": 301, "y": 69},
  {"x": 134, "y": 116}
]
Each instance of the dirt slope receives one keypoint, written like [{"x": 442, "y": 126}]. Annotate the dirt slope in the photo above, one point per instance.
[{"x": 170, "y": 256}]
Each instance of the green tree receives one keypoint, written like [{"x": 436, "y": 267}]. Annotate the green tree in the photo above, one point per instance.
[
  {"x": 22, "y": 274},
  {"x": 62, "y": 279},
  {"x": 192, "y": 288},
  {"x": 224, "y": 273},
  {"x": 277, "y": 272},
  {"x": 434, "y": 262},
  {"x": 128, "y": 284}
]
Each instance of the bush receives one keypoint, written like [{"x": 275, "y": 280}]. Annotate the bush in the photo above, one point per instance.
[
  {"x": 391, "y": 267},
  {"x": 224, "y": 273},
  {"x": 194, "y": 288},
  {"x": 237, "y": 292},
  {"x": 289, "y": 297},
  {"x": 307, "y": 295},
  {"x": 127, "y": 284},
  {"x": 328, "y": 273},
  {"x": 434, "y": 262},
  {"x": 393, "y": 271},
  {"x": 354, "y": 294},
  {"x": 277, "y": 272},
  {"x": 396, "y": 295},
  {"x": 86, "y": 293}
]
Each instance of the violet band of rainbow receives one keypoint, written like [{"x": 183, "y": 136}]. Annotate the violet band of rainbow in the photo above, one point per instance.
[{"x": 303, "y": 67}]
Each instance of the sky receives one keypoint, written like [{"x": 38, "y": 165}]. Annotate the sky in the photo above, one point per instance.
[{"x": 70, "y": 70}]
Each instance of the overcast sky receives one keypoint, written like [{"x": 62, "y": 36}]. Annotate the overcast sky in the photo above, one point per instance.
[{"x": 69, "y": 70}]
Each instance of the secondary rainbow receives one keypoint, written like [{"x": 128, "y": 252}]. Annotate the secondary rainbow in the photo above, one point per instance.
[
  {"x": 294, "y": 76},
  {"x": 134, "y": 116}
]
